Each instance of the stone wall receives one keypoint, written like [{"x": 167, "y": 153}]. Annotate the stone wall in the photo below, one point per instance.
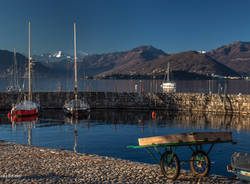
[{"x": 191, "y": 102}]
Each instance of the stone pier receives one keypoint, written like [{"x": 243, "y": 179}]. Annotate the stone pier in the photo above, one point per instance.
[{"x": 191, "y": 102}]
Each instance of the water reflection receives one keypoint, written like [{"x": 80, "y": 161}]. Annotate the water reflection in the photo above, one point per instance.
[
  {"x": 208, "y": 120},
  {"x": 73, "y": 122},
  {"x": 177, "y": 119},
  {"x": 28, "y": 123},
  {"x": 161, "y": 118},
  {"x": 183, "y": 86}
]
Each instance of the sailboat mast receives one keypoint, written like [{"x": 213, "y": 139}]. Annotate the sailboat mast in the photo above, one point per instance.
[
  {"x": 75, "y": 90},
  {"x": 168, "y": 79},
  {"x": 29, "y": 72},
  {"x": 12, "y": 82},
  {"x": 15, "y": 70}
]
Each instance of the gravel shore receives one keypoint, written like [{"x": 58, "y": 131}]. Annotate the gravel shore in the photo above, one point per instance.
[{"x": 30, "y": 164}]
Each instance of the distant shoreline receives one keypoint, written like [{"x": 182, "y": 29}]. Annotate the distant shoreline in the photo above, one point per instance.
[{"x": 181, "y": 75}]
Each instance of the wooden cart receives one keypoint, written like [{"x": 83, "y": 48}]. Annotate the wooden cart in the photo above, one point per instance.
[{"x": 170, "y": 163}]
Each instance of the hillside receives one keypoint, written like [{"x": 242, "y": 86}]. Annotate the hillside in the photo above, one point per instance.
[
  {"x": 7, "y": 61},
  {"x": 190, "y": 61},
  {"x": 235, "y": 56},
  {"x": 119, "y": 61}
]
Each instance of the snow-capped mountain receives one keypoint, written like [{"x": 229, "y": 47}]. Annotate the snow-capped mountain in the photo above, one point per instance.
[
  {"x": 52, "y": 57},
  {"x": 82, "y": 54},
  {"x": 57, "y": 56}
]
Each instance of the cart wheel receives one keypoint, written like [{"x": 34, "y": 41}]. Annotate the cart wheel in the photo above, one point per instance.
[
  {"x": 170, "y": 165},
  {"x": 200, "y": 163}
]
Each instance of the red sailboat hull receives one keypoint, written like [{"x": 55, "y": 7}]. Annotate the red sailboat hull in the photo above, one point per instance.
[
  {"x": 24, "y": 113},
  {"x": 24, "y": 109},
  {"x": 24, "y": 119}
]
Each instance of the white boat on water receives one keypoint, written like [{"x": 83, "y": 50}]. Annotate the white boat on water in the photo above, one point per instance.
[
  {"x": 76, "y": 107},
  {"x": 167, "y": 85}
]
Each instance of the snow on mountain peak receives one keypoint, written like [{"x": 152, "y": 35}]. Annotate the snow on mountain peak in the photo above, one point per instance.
[
  {"x": 82, "y": 53},
  {"x": 58, "y": 54}
]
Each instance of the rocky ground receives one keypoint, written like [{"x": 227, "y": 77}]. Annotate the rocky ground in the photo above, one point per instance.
[{"x": 29, "y": 164}]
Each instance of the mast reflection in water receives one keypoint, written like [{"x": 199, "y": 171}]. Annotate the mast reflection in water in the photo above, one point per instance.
[
  {"x": 108, "y": 132},
  {"x": 27, "y": 123}
]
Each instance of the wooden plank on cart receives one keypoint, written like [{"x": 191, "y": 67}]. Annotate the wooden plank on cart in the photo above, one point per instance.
[
  {"x": 213, "y": 136},
  {"x": 195, "y": 137}
]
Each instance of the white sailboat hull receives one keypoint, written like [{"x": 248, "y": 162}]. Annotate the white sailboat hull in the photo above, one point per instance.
[
  {"x": 169, "y": 87},
  {"x": 76, "y": 108}
]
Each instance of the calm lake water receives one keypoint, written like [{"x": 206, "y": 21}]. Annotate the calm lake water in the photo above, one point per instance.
[
  {"x": 183, "y": 86},
  {"x": 108, "y": 132}
]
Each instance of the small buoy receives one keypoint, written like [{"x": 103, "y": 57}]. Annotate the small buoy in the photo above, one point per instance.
[
  {"x": 153, "y": 114},
  {"x": 9, "y": 115},
  {"x": 142, "y": 90}
]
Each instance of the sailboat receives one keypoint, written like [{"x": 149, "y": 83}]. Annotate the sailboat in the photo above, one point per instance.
[
  {"x": 168, "y": 86},
  {"x": 26, "y": 107},
  {"x": 14, "y": 86},
  {"x": 76, "y": 107}
]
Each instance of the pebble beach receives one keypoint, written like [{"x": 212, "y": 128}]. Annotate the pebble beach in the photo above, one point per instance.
[{"x": 29, "y": 164}]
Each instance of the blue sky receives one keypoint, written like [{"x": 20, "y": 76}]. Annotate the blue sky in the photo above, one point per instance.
[{"x": 116, "y": 25}]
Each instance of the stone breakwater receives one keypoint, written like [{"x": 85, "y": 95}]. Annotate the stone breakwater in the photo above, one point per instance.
[
  {"x": 29, "y": 164},
  {"x": 191, "y": 102}
]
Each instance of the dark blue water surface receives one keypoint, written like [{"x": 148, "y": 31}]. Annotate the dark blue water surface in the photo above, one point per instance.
[
  {"x": 108, "y": 132},
  {"x": 182, "y": 86}
]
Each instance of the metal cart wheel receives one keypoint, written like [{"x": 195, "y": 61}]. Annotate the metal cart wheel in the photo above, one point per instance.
[
  {"x": 200, "y": 163},
  {"x": 170, "y": 165}
]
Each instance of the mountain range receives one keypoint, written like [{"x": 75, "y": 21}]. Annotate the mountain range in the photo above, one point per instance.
[
  {"x": 228, "y": 60},
  {"x": 235, "y": 56},
  {"x": 57, "y": 56}
]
